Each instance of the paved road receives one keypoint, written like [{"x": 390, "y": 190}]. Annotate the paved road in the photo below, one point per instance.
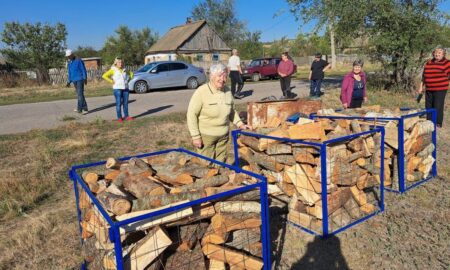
[{"x": 24, "y": 117}]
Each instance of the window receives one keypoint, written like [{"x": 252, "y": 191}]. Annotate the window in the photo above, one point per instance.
[
  {"x": 200, "y": 57},
  {"x": 177, "y": 66},
  {"x": 162, "y": 67},
  {"x": 215, "y": 57},
  {"x": 277, "y": 61},
  {"x": 147, "y": 67}
]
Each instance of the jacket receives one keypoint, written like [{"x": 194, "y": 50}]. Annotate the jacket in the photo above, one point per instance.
[
  {"x": 286, "y": 67},
  {"x": 347, "y": 87},
  {"x": 77, "y": 70},
  {"x": 118, "y": 77}
]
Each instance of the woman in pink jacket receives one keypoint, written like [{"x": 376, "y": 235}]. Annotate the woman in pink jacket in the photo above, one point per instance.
[{"x": 353, "y": 90}]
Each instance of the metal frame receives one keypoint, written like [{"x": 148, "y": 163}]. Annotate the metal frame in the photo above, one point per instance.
[
  {"x": 401, "y": 153},
  {"x": 114, "y": 233},
  {"x": 323, "y": 160}
]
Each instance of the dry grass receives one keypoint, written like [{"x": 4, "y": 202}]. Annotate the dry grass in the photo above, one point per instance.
[{"x": 38, "y": 228}]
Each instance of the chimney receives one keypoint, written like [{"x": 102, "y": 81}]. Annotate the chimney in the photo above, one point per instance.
[{"x": 188, "y": 20}]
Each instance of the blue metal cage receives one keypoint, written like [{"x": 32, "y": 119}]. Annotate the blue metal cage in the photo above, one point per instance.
[
  {"x": 402, "y": 185},
  {"x": 326, "y": 227},
  {"x": 115, "y": 227}
]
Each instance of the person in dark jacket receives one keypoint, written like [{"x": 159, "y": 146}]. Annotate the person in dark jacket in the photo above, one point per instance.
[
  {"x": 285, "y": 70},
  {"x": 77, "y": 76},
  {"x": 316, "y": 75},
  {"x": 436, "y": 77},
  {"x": 353, "y": 89}
]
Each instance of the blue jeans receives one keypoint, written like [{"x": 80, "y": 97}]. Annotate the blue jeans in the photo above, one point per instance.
[
  {"x": 315, "y": 88},
  {"x": 121, "y": 96},
  {"x": 82, "y": 105}
]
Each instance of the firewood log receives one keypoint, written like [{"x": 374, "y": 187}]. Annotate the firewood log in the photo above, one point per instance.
[
  {"x": 427, "y": 151},
  {"x": 303, "y": 155},
  {"x": 91, "y": 178},
  {"x": 278, "y": 149},
  {"x": 117, "y": 205},
  {"x": 141, "y": 186},
  {"x": 228, "y": 222},
  {"x": 112, "y": 163},
  {"x": 391, "y": 134},
  {"x": 300, "y": 176},
  {"x": 111, "y": 175},
  {"x": 358, "y": 195},
  {"x": 201, "y": 184},
  {"x": 232, "y": 207},
  {"x": 231, "y": 257},
  {"x": 212, "y": 237},
  {"x": 341, "y": 218},
  {"x": 151, "y": 202},
  {"x": 352, "y": 207},
  {"x": 199, "y": 212},
  {"x": 267, "y": 162},
  {"x": 345, "y": 173},
  {"x": 426, "y": 166},
  {"x": 334, "y": 201},
  {"x": 311, "y": 131},
  {"x": 278, "y": 133},
  {"x": 138, "y": 166},
  {"x": 252, "y": 142},
  {"x": 186, "y": 260},
  {"x": 216, "y": 265},
  {"x": 285, "y": 159},
  {"x": 191, "y": 234},
  {"x": 252, "y": 195}
]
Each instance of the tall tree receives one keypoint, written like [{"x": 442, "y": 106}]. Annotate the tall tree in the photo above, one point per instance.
[
  {"x": 129, "y": 45},
  {"x": 250, "y": 46},
  {"x": 35, "y": 46},
  {"x": 221, "y": 16},
  {"x": 87, "y": 51}
]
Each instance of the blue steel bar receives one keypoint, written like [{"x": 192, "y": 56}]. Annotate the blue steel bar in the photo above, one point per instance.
[
  {"x": 72, "y": 174},
  {"x": 352, "y": 136},
  {"x": 381, "y": 203},
  {"x": 279, "y": 139},
  {"x": 304, "y": 229},
  {"x": 434, "y": 138},
  {"x": 420, "y": 182},
  {"x": 382, "y": 119},
  {"x": 323, "y": 175},
  {"x": 265, "y": 234},
  {"x": 117, "y": 246},
  {"x": 401, "y": 156},
  {"x": 356, "y": 222},
  {"x": 234, "y": 134}
]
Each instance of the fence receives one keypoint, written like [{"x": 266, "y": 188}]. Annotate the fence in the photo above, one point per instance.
[
  {"x": 225, "y": 225},
  {"x": 60, "y": 76},
  {"x": 411, "y": 146},
  {"x": 329, "y": 187}
]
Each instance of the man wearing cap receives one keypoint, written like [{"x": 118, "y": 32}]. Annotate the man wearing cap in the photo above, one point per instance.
[
  {"x": 316, "y": 75},
  {"x": 77, "y": 76}
]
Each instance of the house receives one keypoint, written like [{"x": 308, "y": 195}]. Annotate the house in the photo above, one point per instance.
[
  {"x": 92, "y": 62},
  {"x": 193, "y": 42}
]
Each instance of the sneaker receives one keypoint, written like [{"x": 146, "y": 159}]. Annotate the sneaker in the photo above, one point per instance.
[
  {"x": 321, "y": 93},
  {"x": 120, "y": 120},
  {"x": 84, "y": 112},
  {"x": 315, "y": 98},
  {"x": 76, "y": 110},
  {"x": 238, "y": 97},
  {"x": 129, "y": 118}
]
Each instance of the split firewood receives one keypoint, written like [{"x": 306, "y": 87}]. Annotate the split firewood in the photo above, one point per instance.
[
  {"x": 427, "y": 151},
  {"x": 186, "y": 260},
  {"x": 352, "y": 207},
  {"x": 300, "y": 176},
  {"x": 278, "y": 133},
  {"x": 426, "y": 166},
  {"x": 334, "y": 201},
  {"x": 216, "y": 265},
  {"x": 391, "y": 134},
  {"x": 287, "y": 188},
  {"x": 237, "y": 207},
  {"x": 358, "y": 195},
  {"x": 155, "y": 201},
  {"x": 303, "y": 155},
  {"x": 141, "y": 186},
  {"x": 311, "y": 131},
  {"x": 232, "y": 257},
  {"x": 278, "y": 149},
  {"x": 199, "y": 212},
  {"x": 201, "y": 184},
  {"x": 304, "y": 220},
  {"x": 285, "y": 159},
  {"x": 341, "y": 218},
  {"x": 228, "y": 222},
  {"x": 91, "y": 179},
  {"x": 191, "y": 234},
  {"x": 345, "y": 173},
  {"x": 84, "y": 201},
  {"x": 214, "y": 238},
  {"x": 116, "y": 204}
]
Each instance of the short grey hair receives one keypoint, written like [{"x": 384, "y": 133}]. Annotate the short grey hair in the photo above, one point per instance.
[
  {"x": 217, "y": 68},
  {"x": 358, "y": 62}
]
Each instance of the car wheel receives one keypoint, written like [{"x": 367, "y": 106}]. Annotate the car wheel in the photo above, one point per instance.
[
  {"x": 141, "y": 87},
  {"x": 192, "y": 83},
  {"x": 256, "y": 77}
]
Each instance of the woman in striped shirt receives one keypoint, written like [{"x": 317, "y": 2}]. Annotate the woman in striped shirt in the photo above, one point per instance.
[{"x": 436, "y": 76}]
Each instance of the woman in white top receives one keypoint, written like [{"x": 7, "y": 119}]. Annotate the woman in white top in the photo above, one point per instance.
[{"x": 120, "y": 77}]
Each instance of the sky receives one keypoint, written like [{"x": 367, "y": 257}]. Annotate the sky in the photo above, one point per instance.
[{"x": 90, "y": 22}]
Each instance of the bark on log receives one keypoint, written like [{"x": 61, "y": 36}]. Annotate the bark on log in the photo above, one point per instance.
[
  {"x": 201, "y": 184},
  {"x": 285, "y": 159},
  {"x": 200, "y": 212},
  {"x": 278, "y": 149},
  {"x": 231, "y": 257},
  {"x": 239, "y": 207},
  {"x": 115, "y": 204},
  {"x": 112, "y": 175},
  {"x": 141, "y": 186},
  {"x": 267, "y": 162},
  {"x": 191, "y": 234},
  {"x": 252, "y": 142},
  {"x": 186, "y": 260},
  {"x": 252, "y": 195},
  {"x": 352, "y": 207},
  {"x": 303, "y": 155},
  {"x": 151, "y": 202}
]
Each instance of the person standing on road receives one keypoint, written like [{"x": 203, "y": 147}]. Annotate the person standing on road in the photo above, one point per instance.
[
  {"x": 210, "y": 111},
  {"x": 77, "y": 76},
  {"x": 353, "y": 89},
  {"x": 435, "y": 78},
  {"x": 285, "y": 70},
  {"x": 316, "y": 75},
  {"x": 235, "y": 71},
  {"x": 120, "y": 77}
]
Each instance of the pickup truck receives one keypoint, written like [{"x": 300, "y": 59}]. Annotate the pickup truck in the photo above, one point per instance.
[{"x": 262, "y": 68}]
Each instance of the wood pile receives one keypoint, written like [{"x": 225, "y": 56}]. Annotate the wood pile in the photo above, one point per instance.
[
  {"x": 293, "y": 170},
  {"x": 221, "y": 234},
  {"x": 418, "y": 143}
]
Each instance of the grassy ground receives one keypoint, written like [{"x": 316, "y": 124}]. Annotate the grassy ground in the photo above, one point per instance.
[{"x": 38, "y": 228}]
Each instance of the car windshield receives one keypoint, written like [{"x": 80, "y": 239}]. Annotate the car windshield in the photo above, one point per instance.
[
  {"x": 255, "y": 63},
  {"x": 147, "y": 67}
]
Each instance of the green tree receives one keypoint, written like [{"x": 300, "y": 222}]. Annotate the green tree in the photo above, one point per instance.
[
  {"x": 250, "y": 46},
  {"x": 87, "y": 51},
  {"x": 35, "y": 46},
  {"x": 221, "y": 16},
  {"x": 278, "y": 46},
  {"x": 309, "y": 44},
  {"x": 129, "y": 45}
]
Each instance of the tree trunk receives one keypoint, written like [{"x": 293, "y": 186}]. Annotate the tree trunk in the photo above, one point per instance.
[{"x": 333, "y": 46}]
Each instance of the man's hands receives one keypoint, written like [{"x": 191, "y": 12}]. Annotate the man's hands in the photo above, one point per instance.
[
  {"x": 68, "y": 84},
  {"x": 365, "y": 99},
  {"x": 345, "y": 105},
  {"x": 85, "y": 82},
  {"x": 244, "y": 126},
  {"x": 198, "y": 143}
]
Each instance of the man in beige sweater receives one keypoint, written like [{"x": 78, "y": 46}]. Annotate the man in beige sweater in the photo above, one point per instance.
[{"x": 211, "y": 109}]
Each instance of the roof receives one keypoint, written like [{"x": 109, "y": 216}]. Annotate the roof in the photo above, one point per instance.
[{"x": 176, "y": 36}]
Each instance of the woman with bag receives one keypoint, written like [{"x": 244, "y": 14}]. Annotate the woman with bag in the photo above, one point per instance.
[{"x": 120, "y": 77}]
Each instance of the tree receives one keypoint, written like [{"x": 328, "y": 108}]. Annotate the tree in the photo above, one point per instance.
[
  {"x": 87, "y": 51},
  {"x": 278, "y": 46},
  {"x": 250, "y": 46},
  {"x": 309, "y": 44},
  {"x": 221, "y": 16},
  {"x": 35, "y": 46},
  {"x": 129, "y": 45}
]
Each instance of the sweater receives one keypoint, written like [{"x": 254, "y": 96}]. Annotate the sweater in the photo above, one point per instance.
[
  {"x": 77, "y": 70},
  {"x": 210, "y": 112},
  {"x": 286, "y": 67},
  {"x": 436, "y": 75},
  {"x": 348, "y": 85},
  {"x": 118, "y": 77}
]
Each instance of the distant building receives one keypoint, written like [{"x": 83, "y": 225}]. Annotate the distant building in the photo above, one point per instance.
[
  {"x": 92, "y": 62},
  {"x": 193, "y": 41}
]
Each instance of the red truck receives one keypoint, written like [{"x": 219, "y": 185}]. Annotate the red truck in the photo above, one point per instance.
[{"x": 263, "y": 68}]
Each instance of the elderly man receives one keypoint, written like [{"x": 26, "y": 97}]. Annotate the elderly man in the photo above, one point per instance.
[
  {"x": 77, "y": 76},
  {"x": 235, "y": 71},
  {"x": 211, "y": 109},
  {"x": 436, "y": 76}
]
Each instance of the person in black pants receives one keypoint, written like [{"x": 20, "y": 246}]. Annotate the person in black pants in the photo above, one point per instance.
[
  {"x": 436, "y": 77},
  {"x": 235, "y": 71},
  {"x": 316, "y": 75},
  {"x": 285, "y": 70}
]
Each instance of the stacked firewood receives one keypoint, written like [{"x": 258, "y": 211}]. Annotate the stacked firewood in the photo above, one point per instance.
[
  {"x": 418, "y": 143},
  {"x": 294, "y": 170},
  {"x": 220, "y": 234}
]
